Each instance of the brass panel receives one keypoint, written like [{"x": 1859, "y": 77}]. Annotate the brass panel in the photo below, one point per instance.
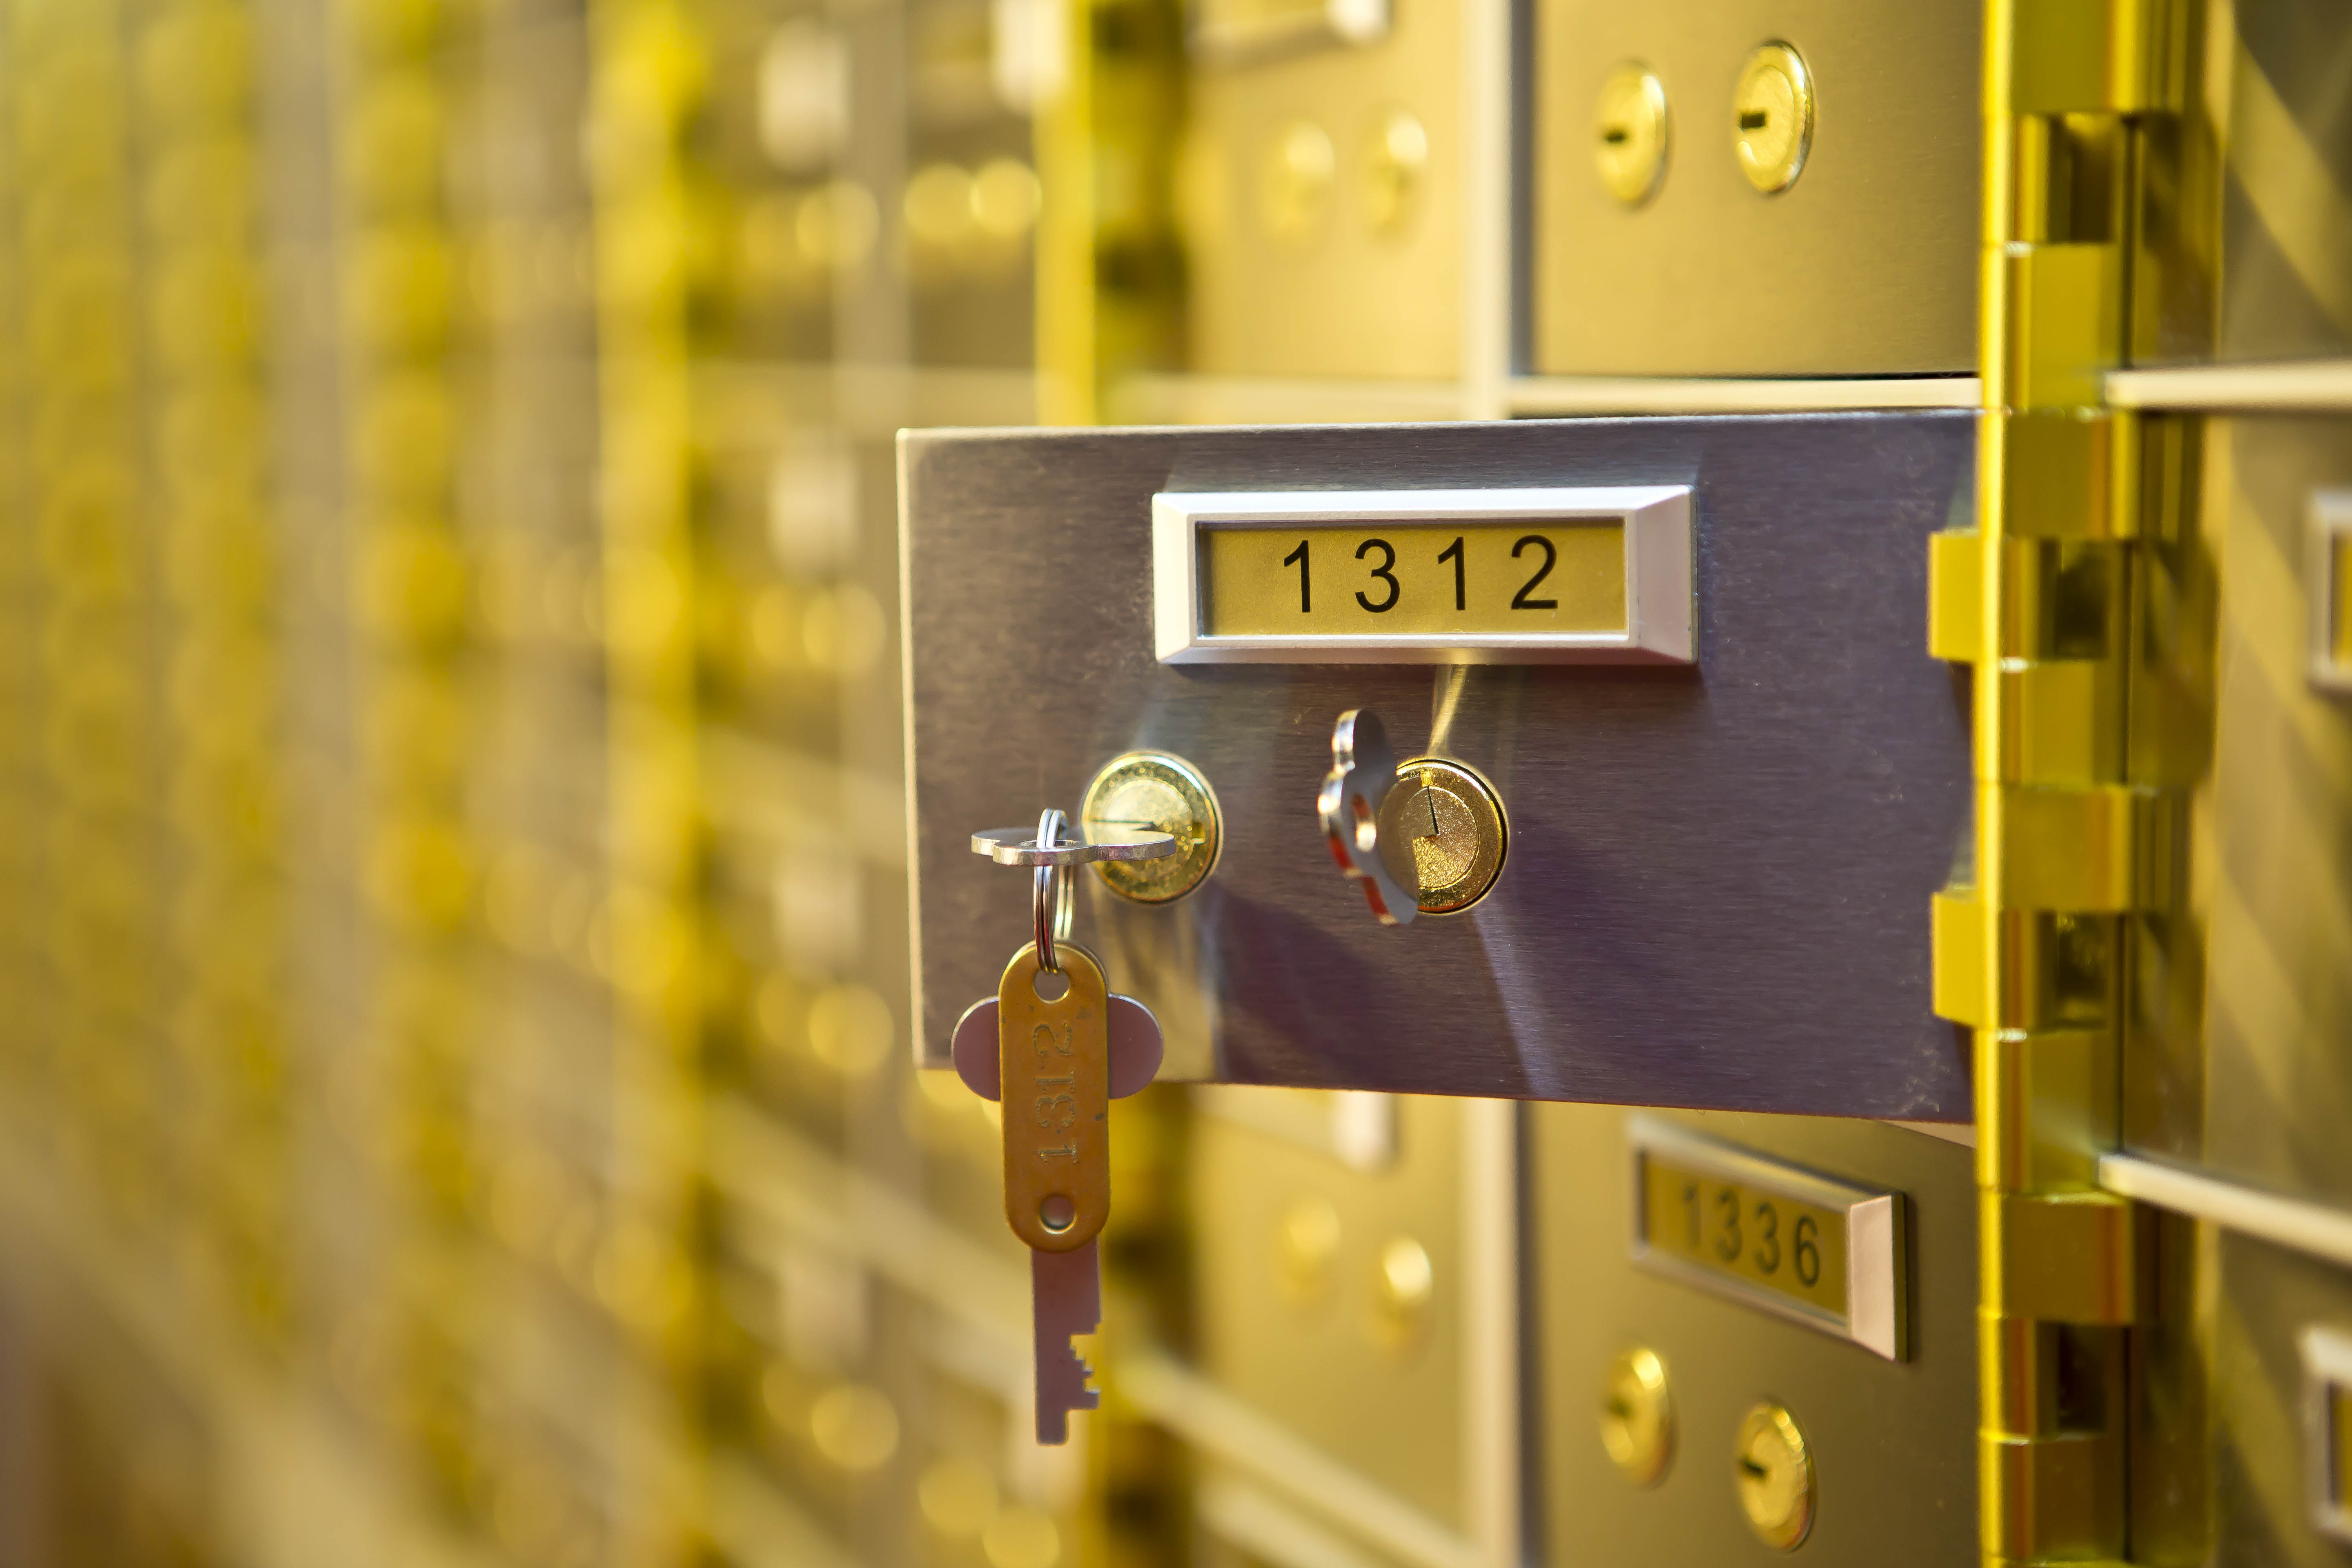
[
  {"x": 1890, "y": 1445},
  {"x": 1306, "y": 1292},
  {"x": 1865, "y": 263},
  {"x": 2219, "y": 1443},
  {"x": 2243, "y": 226},
  {"x": 1166, "y": 794},
  {"x": 1469, "y": 837},
  {"x": 2234, "y": 1058},
  {"x": 1321, "y": 200}
]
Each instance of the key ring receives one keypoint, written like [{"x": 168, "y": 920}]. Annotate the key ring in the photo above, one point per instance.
[
  {"x": 1057, "y": 856},
  {"x": 1054, "y": 900}
]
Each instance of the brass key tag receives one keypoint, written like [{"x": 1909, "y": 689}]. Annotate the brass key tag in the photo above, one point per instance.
[{"x": 1054, "y": 1061}]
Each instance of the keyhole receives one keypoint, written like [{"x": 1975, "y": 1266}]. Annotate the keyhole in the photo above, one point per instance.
[
  {"x": 1755, "y": 120},
  {"x": 1616, "y": 136}
]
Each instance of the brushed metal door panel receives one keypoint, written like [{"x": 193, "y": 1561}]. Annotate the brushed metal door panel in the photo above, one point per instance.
[{"x": 1718, "y": 881}]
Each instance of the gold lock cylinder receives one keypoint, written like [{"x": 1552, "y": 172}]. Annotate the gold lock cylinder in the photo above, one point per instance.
[
  {"x": 1295, "y": 179},
  {"x": 1772, "y": 118},
  {"x": 1629, "y": 128},
  {"x": 1396, "y": 167},
  {"x": 1309, "y": 1242},
  {"x": 1158, "y": 791},
  {"x": 1637, "y": 1415},
  {"x": 1453, "y": 821},
  {"x": 1404, "y": 1284},
  {"x": 1773, "y": 1472}
]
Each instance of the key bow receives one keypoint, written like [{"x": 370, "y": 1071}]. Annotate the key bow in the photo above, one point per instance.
[
  {"x": 1363, "y": 770},
  {"x": 1024, "y": 847}
]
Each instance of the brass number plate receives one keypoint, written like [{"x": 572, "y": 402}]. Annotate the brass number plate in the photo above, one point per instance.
[
  {"x": 2327, "y": 1428},
  {"x": 1053, "y": 1073},
  {"x": 1421, "y": 580},
  {"x": 1793, "y": 1243},
  {"x": 1763, "y": 1238},
  {"x": 1600, "y": 575}
]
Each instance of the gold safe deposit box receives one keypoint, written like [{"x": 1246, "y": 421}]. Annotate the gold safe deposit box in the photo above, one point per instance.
[
  {"x": 1761, "y": 584},
  {"x": 1175, "y": 783}
]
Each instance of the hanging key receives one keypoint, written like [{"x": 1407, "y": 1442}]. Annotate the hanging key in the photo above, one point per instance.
[{"x": 1059, "y": 1060}]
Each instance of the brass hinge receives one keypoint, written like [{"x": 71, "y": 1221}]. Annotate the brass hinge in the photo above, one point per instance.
[
  {"x": 2092, "y": 57},
  {"x": 2062, "y": 1257},
  {"x": 2040, "y": 598}
]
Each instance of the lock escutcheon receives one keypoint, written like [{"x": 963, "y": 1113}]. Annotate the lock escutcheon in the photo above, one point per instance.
[
  {"x": 1772, "y": 118},
  {"x": 1157, "y": 791},
  {"x": 1453, "y": 821},
  {"x": 1637, "y": 1415},
  {"x": 1630, "y": 128},
  {"x": 1773, "y": 1471}
]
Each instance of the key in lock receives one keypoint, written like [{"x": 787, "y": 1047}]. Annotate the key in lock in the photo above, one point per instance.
[
  {"x": 1064, "y": 1045},
  {"x": 1427, "y": 836}
]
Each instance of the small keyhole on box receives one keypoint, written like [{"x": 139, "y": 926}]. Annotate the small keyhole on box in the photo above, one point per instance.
[
  {"x": 1057, "y": 1213},
  {"x": 1755, "y": 120},
  {"x": 1616, "y": 135}
]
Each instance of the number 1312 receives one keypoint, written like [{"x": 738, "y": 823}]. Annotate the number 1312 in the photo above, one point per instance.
[{"x": 1383, "y": 573}]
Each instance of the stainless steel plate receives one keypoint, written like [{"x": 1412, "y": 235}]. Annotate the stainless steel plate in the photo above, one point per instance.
[{"x": 1718, "y": 885}]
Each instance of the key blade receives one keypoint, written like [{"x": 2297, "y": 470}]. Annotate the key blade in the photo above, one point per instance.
[{"x": 1065, "y": 1301}]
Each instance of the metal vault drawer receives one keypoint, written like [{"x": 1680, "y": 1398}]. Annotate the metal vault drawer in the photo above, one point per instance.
[
  {"x": 1320, "y": 188},
  {"x": 1719, "y": 875},
  {"x": 1863, "y": 263},
  {"x": 2235, "y": 1062},
  {"x": 1888, "y": 1443}
]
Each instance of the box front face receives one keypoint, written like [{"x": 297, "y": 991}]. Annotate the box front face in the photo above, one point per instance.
[
  {"x": 1321, "y": 193},
  {"x": 1332, "y": 1297},
  {"x": 2240, "y": 250},
  {"x": 2234, "y": 1060},
  {"x": 1650, "y": 1471},
  {"x": 1863, "y": 263},
  {"x": 1717, "y": 883}
]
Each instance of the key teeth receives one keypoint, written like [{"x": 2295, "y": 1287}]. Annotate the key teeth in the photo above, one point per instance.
[
  {"x": 1065, "y": 1301},
  {"x": 1062, "y": 1388}
]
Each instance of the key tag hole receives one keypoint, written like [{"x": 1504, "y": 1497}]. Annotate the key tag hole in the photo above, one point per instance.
[
  {"x": 1056, "y": 1212},
  {"x": 1049, "y": 986}
]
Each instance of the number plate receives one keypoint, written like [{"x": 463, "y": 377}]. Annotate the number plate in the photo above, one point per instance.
[
  {"x": 2327, "y": 1429},
  {"x": 1822, "y": 1252},
  {"x": 1426, "y": 576}
]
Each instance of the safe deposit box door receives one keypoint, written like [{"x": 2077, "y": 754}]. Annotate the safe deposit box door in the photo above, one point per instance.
[{"x": 1724, "y": 776}]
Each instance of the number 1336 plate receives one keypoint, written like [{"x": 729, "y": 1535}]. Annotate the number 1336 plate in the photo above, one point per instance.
[
  {"x": 1426, "y": 576},
  {"x": 1777, "y": 1237}
]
